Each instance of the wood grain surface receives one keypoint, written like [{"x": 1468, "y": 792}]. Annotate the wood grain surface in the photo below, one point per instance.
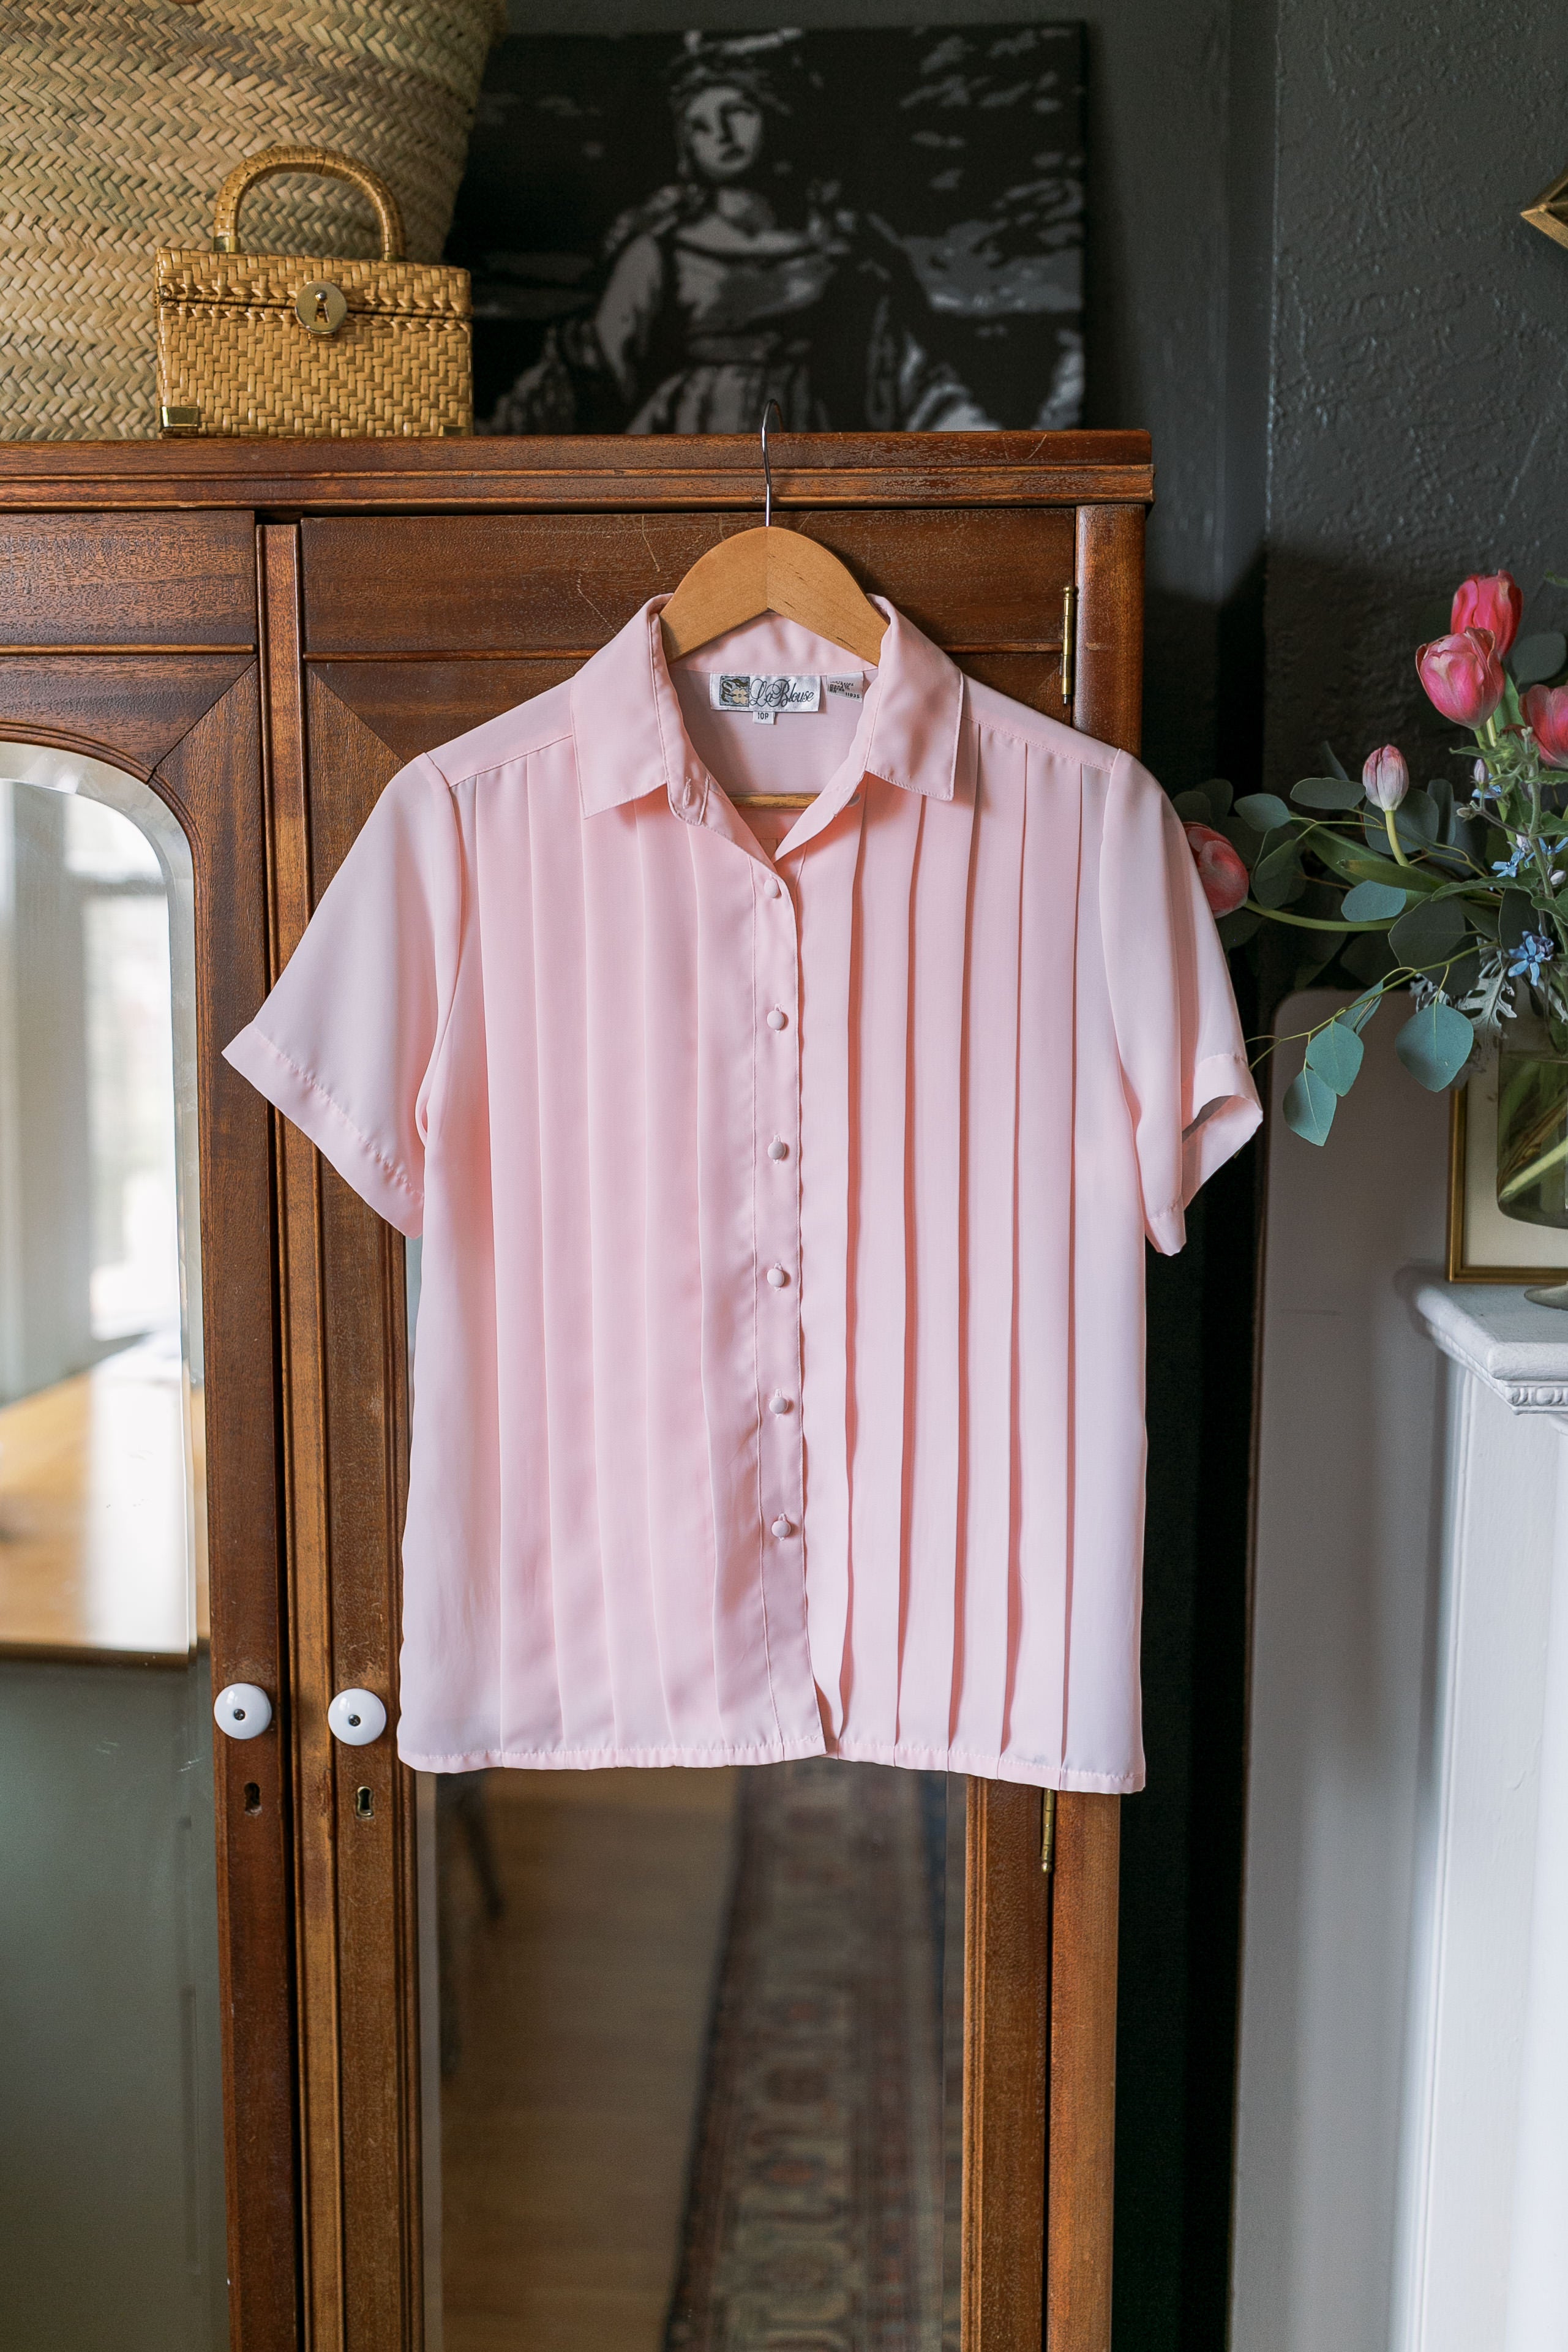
[
  {"x": 1082, "y": 2140},
  {"x": 564, "y": 584},
  {"x": 141, "y": 704},
  {"x": 1007, "y": 1981},
  {"x": 133, "y": 580},
  {"x": 612, "y": 473},
  {"x": 213, "y": 781}
]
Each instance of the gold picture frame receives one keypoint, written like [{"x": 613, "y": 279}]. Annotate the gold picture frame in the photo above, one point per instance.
[{"x": 1482, "y": 1239}]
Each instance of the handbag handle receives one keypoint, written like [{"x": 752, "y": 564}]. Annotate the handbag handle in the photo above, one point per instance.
[{"x": 321, "y": 161}]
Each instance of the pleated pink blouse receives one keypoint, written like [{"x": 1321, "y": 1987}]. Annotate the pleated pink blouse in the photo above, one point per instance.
[{"x": 778, "y": 1386}]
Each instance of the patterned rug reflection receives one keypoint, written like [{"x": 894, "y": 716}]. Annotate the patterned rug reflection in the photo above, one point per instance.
[{"x": 814, "y": 2215}]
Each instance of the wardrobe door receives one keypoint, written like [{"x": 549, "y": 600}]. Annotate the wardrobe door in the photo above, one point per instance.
[
  {"x": 147, "y": 2160},
  {"x": 570, "y": 1995}
]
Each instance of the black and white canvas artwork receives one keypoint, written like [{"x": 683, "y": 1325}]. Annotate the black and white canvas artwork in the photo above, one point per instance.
[{"x": 881, "y": 230}]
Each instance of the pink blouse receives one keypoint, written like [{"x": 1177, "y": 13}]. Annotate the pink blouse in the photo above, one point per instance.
[{"x": 779, "y": 1365}]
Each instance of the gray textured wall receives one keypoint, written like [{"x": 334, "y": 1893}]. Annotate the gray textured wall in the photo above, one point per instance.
[{"x": 1420, "y": 335}]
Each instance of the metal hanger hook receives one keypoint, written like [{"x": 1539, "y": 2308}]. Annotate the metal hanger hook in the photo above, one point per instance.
[{"x": 766, "y": 468}]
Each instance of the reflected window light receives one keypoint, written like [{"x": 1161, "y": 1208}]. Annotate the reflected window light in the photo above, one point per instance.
[{"x": 101, "y": 846}]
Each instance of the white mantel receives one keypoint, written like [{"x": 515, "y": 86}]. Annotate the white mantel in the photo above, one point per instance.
[
  {"x": 1482, "y": 2253},
  {"x": 1402, "y": 2125}
]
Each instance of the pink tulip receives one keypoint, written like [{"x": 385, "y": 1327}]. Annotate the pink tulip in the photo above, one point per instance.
[
  {"x": 1462, "y": 676},
  {"x": 1385, "y": 777},
  {"x": 1546, "y": 714},
  {"x": 1489, "y": 600},
  {"x": 1220, "y": 868}
]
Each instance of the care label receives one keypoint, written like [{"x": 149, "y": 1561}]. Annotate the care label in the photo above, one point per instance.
[
  {"x": 764, "y": 697},
  {"x": 850, "y": 688}
]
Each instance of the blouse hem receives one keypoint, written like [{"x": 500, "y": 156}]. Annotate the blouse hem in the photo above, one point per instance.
[{"x": 1024, "y": 1770}]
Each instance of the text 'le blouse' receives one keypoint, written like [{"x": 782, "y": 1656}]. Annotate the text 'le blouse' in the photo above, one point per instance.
[{"x": 780, "y": 1360}]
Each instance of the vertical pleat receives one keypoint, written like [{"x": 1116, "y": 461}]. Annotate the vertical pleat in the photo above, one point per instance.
[
  {"x": 561, "y": 1015},
  {"x": 728, "y": 1148},
  {"x": 530, "y": 1698},
  {"x": 454, "y": 1611},
  {"x": 829, "y": 1075},
  {"x": 680, "y": 1534},
  {"x": 617, "y": 1143},
  {"x": 989, "y": 1114},
  {"x": 1046, "y": 1085},
  {"x": 879, "y": 1286},
  {"x": 933, "y": 1415}
]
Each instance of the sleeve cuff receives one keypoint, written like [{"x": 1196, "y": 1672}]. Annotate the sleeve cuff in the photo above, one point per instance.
[
  {"x": 312, "y": 1110},
  {"x": 1226, "y": 1111}
]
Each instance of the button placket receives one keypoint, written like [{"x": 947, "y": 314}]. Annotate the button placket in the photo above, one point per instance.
[{"x": 777, "y": 975}]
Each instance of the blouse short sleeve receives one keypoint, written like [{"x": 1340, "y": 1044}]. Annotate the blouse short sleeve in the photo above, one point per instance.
[
  {"x": 1183, "y": 1060},
  {"x": 346, "y": 1042}
]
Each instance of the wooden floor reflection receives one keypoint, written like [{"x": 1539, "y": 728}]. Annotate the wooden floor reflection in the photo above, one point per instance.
[
  {"x": 581, "y": 2022},
  {"x": 94, "y": 1548}
]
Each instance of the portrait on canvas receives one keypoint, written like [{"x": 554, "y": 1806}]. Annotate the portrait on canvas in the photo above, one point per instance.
[{"x": 883, "y": 231}]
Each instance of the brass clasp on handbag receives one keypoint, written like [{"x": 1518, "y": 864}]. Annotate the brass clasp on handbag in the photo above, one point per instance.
[
  {"x": 315, "y": 159},
  {"x": 320, "y": 307}
]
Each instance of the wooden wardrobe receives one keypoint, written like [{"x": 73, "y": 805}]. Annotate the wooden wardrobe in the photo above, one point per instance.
[{"x": 265, "y": 632}]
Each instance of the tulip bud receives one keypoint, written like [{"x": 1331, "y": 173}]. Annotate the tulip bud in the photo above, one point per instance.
[
  {"x": 1489, "y": 600},
  {"x": 1385, "y": 777},
  {"x": 1546, "y": 715},
  {"x": 1462, "y": 676},
  {"x": 1220, "y": 868}
]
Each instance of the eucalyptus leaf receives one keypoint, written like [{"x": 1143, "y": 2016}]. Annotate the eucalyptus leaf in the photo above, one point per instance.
[
  {"x": 1276, "y": 874},
  {"x": 1539, "y": 657},
  {"x": 1262, "y": 810},
  {"x": 1368, "y": 957},
  {"x": 1434, "y": 1045},
  {"x": 1330, "y": 763},
  {"x": 1219, "y": 794},
  {"x": 1440, "y": 792},
  {"x": 1372, "y": 902},
  {"x": 1309, "y": 1107},
  {"x": 1334, "y": 1054},
  {"x": 1432, "y": 932},
  {"x": 1515, "y": 917},
  {"x": 1237, "y": 928},
  {"x": 1308, "y": 969},
  {"x": 1327, "y": 793},
  {"x": 1359, "y": 1014},
  {"x": 1463, "y": 974},
  {"x": 1194, "y": 808}
]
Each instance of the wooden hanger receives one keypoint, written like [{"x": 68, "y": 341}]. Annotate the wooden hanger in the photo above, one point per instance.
[{"x": 771, "y": 571}]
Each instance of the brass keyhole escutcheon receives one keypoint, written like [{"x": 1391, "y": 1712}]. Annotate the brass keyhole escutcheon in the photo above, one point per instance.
[{"x": 320, "y": 307}]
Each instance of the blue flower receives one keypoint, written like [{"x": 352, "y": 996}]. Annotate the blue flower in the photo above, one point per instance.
[
  {"x": 1511, "y": 866},
  {"x": 1535, "y": 949}
]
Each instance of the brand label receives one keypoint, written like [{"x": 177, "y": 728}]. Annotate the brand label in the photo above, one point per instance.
[
  {"x": 852, "y": 688},
  {"x": 764, "y": 697}
]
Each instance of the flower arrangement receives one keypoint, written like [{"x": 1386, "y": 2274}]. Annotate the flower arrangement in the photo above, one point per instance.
[{"x": 1462, "y": 901}]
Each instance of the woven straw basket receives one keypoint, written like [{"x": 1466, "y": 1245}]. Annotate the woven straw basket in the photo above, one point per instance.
[
  {"x": 281, "y": 344},
  {"x": 117, "y": 125}
]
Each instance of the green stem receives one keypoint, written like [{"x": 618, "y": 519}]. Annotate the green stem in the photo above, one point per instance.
[{"x": 1393, "y": 837}]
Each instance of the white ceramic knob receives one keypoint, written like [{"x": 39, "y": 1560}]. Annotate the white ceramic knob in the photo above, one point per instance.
[
  {"x": 243, "y": 1710},
  {"x": 356, "y": 1717}
]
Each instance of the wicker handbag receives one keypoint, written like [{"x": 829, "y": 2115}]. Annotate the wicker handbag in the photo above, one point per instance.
[{"x": 278, "y": 344}]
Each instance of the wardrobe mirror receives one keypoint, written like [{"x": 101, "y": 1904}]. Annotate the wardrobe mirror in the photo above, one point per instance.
[
  {"x": 693, "y": 2059},
  {"x": 111, "y": 2186}
]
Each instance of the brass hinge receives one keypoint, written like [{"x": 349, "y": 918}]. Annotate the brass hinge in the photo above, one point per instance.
[
  {"x": 1047, "y": 1810},
  {"x": 1069, "y": 638},
  {"x": 179, "y": 420}
]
